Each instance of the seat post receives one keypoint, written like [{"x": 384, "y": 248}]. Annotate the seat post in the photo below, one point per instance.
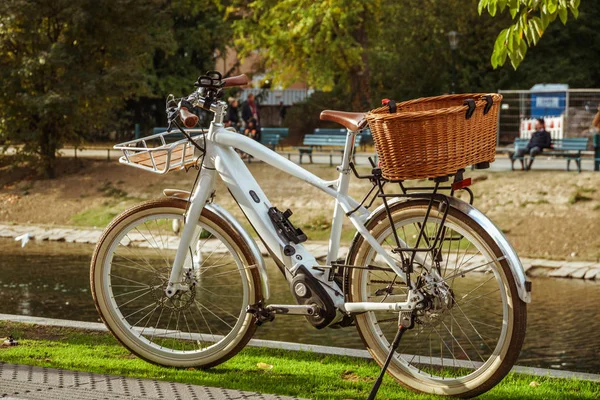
[{"x": 343, "y": 183}]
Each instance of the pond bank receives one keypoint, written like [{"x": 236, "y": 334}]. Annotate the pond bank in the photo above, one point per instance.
[{"x": 533, "y": 267}]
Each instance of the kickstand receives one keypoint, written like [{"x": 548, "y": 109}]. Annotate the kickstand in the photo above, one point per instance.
[{"x": 405, "y": 322}]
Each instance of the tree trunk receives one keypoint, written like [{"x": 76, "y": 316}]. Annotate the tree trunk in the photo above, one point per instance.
[
  {"x": 360, "y": 89},
  {"x": 360, "y": 77},
  {"x": 48, "y": 153}
]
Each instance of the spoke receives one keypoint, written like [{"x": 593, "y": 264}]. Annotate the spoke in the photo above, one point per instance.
[
  {"x": 219, "y": 318},
  {"x": 480, "y": 323},
  {"x": 176, "y": 329},
  {"x": 135, "y": 298},
  {"x": 153, "y": 248},
  {"x": 467, "y": 337},
  {"x": 148, "y": 264},
  {"x": 203, "y": 270},
  {"x": 480, "y": 296},
  {"x": 206, "y": 322},
  {"x": 239, "y": 270},
  {"x": 219, "y": 308},
  {"x": 471, "y": 269},
  {"x": 162, "y": 309},
  {"x": 136, "y": 268},
  {"x": 141, "y": 309},
  {"x": 134, "y": 291},
  {"x": 128, "y": 280},
  {"x": 141, "y": 319},
  {"x": 188, "y": 326},
  {"x": 457, "y": 342},
  {"x": 204, "y": 289},
  {"x": 478, "y": 286}
]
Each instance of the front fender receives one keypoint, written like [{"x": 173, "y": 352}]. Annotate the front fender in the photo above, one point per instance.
[
  {"x": 226, "y": 215},
  {"x": 495, "y": 233}
]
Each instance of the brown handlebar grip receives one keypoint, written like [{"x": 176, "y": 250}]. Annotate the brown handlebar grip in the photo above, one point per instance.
[
  {"x": 239, "y": 80},
  {"x": 189, "y": 120}
]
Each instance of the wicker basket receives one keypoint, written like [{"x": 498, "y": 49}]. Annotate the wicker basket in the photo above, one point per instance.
[{"x": 432, "y": 137}]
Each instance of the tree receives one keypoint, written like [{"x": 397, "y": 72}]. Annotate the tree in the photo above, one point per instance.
[
  {"x": 348, "y": 42},
  {"x": 199, "y": 30},
  {"x": 323, "y": 43},
  {"x": 67, "y": 67},
  {"x": 532, "y": 18}
]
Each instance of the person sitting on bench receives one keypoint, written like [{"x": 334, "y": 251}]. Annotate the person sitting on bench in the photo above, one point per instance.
[{"x": 539, "y": 141}]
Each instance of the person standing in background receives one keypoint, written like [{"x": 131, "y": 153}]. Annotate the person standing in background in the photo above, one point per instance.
[
  {"x": 233, "y": 116},
  {"x": 250, "y": 111},
  {"x": 282, "y": 112},
  {"x": 596, "y": 122}
]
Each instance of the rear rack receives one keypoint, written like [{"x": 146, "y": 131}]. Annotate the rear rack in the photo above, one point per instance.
[{"x": 160, "y": 153}]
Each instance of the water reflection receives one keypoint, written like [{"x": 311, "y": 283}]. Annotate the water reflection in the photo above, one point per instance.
[{"x": 52, "y": 280}]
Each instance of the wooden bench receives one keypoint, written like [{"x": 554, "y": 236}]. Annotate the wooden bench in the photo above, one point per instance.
[
  {"x": 366, "y": 137},
  {"x": 569, "y": 148},
  {"x": 282, "y": 132},
  {"x": 271, "y": 140},
  {"x": 336, "y": 142}
]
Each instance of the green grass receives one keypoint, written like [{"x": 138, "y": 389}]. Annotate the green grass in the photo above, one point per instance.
[
  {"x": 536, "y": 202},
  {"x": 96, "y": 216},
  {"x": 579, "y": 195},
  {"x": 301, "y": 374}
]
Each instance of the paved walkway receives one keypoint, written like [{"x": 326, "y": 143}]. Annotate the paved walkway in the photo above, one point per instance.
[
  {"x": 533, "y": 267},
  {"x": 33, "y": 383},
  {"x": 502, "y": 162}
]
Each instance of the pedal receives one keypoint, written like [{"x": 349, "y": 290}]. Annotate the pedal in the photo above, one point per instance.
[
  {"x": 285, "y": 229},
  {"x": 261, "y": 313}
]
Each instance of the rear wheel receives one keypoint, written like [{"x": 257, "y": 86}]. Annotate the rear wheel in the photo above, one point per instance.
[
  {"x": 202, "y": 326},
  {"x": 472, "y": 329}
]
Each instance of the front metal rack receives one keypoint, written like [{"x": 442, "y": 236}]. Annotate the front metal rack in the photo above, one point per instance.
[{"x": 162, "y": 152}]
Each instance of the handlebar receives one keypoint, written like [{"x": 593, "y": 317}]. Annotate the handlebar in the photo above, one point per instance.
[
  {"x": 189, "y": 119},
  {"x": 207, "y": 96},
  {"x": 240, "y": 80}
]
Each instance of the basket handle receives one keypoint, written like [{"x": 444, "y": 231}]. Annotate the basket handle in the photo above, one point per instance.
[
  {"x": 489, "y": 103},
  {"x": 391, "y": 105},
  {"x": 471, "y": 110}
]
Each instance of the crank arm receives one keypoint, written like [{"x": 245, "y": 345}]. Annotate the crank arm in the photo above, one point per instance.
[{"x": 289, "y": 309}]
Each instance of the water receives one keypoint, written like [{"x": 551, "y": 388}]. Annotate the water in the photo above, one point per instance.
[{"x": 51, "y": 280}]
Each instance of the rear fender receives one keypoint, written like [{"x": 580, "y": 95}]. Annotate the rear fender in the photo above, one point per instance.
[{"x": 514, "y": 263}]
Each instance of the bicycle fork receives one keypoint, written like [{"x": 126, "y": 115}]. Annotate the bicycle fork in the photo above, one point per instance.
[{"x": 201, "y": 194}]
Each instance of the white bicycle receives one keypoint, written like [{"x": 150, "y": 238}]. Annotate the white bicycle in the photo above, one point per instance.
[{"x": 181, "y": 283}]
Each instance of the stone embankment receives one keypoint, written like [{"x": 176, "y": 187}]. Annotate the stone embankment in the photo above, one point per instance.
[{"x": 533, "y": 267}]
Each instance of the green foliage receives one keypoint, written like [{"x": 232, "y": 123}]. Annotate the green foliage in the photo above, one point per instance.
[
  {"x": 322, "y": 43},
  {"x": 198, "y": 30},
  {"x": 531, "y": 19},
  {"x": 66, "y": 67}
]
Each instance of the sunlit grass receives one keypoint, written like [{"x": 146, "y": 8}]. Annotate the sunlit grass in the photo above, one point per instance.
[{"x": 300, "y": 374}]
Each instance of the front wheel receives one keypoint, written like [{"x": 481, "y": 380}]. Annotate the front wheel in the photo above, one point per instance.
[
  {"x": 198, "y": 327},
  {"x": 471, "y": 330}
]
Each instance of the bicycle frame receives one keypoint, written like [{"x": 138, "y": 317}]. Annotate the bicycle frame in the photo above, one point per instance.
[{"x": 221, "y": 159}]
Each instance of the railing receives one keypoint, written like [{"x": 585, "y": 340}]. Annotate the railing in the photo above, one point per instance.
[
  {"x": 269, "y": 97},
  {"x": 577, "y": 106}
]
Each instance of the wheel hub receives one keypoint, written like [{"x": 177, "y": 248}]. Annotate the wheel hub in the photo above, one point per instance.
[
  {"x": 439, "y": 299},
  {"x": 182, "y": 299}
]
